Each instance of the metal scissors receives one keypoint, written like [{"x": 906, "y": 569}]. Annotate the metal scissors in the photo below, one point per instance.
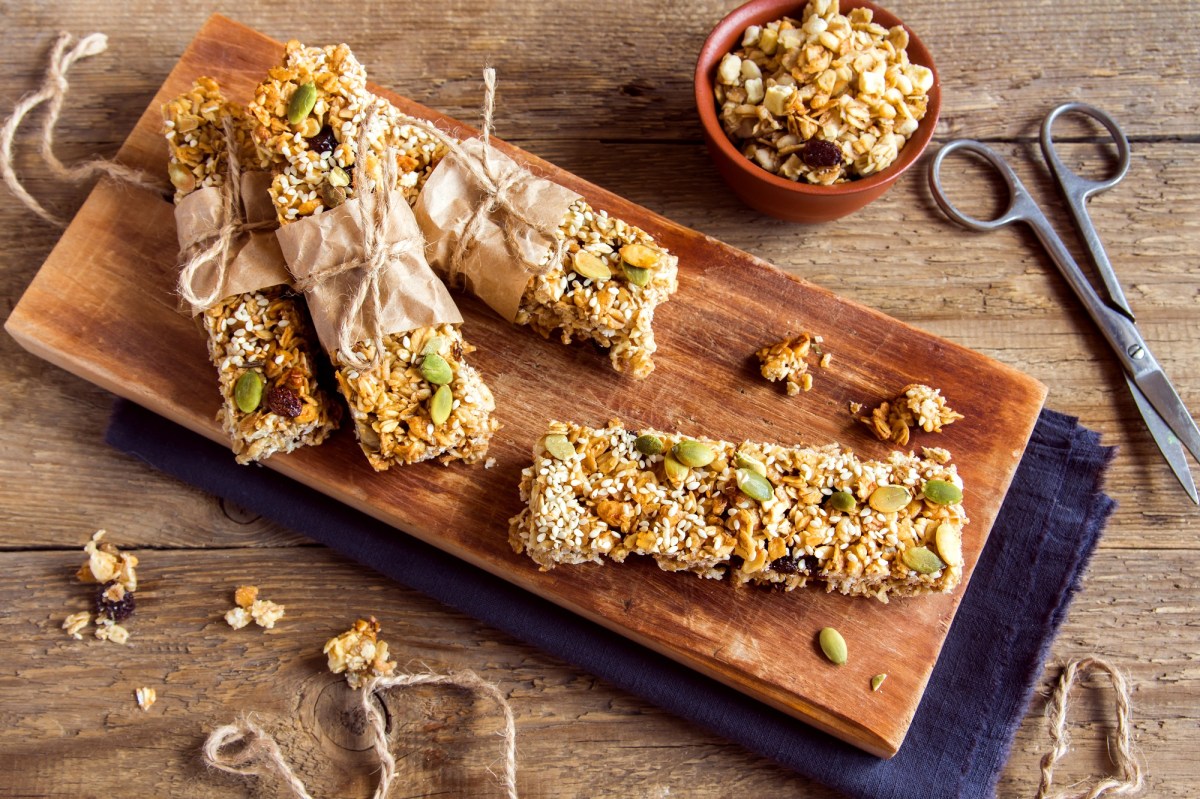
[{"x": 1164, "y": 412}]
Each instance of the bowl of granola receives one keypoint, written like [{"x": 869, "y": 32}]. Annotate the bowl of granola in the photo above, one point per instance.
[{"x": 812, "y": 110}]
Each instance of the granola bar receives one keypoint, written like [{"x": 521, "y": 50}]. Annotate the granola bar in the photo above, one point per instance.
[
  {"x": 760, "y": 513},
  {"x": 390, "y": 398},
  {"x": 613, "y": 308},
  {"x": 261, "y": 337}
]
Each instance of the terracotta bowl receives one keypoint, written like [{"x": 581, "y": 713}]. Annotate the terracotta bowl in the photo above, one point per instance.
[{"x": 774, "y": 195}]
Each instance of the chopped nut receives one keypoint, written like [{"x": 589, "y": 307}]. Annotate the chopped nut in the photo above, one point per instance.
[
  {"x": 76, "y": 622},
  {"x": 245, "y": 595},
  {"x": 359, "y": 653},
  {"x": 146, "y": 697}
]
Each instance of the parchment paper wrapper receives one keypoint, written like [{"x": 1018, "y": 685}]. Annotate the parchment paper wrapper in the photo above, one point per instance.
[
  {"x": 488, "y": 270},
  {"x": 411, "y": 295},
  {"x": 255, "y": 263}
]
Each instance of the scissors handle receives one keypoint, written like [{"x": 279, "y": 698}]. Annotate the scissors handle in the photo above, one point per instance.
[
  {"x": 1021, "y": 206},
  {"x": 1078, "y": 189}
]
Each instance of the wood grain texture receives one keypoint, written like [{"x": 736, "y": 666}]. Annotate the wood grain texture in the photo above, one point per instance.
[
  {"x": 996, "y": 294},
  {"x": 101, "y": 307}
]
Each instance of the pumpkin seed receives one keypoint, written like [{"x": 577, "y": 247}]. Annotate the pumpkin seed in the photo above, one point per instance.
[
  {"x": 948, "y": 540},
  {"x": 248, "y": 391},
  {"x": 638, "y": 277},
  {"x": 754, "y": 465},
  {"x": 558, "y": 446},
  {"x": 436, "y": 345},
  {"x": 648, "y": 444},
  {"x": 676, "y": 472},
  {"x": 754, "y": 485},
  {"x": 877, "y": 681},
  {"x": 435, "y": 369},
  {"x": 639, "y": 256},
  {"x": 889, "y": 499},
  {"x": 302, "y": 102},
  {"x": 921, "y": 560},
  {"x": 693, "y": 453},
  {"x": 441, "y": 405},
  {"x": 943, "y": 492},
  {"x": 842, "y": 501},
  {"x": 591, "y": 266},
  {"x": 834, "y": 646},
  {"x": 338, "y": 177}
]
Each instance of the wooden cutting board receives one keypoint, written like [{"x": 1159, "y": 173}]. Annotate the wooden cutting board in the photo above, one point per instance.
[{"x": 102, "y": 307}]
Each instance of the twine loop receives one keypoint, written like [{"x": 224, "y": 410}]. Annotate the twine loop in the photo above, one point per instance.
[{"x": 54, "y": 91}]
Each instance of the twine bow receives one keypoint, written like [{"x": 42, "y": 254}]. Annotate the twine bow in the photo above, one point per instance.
[
  {"x": 496, "y": 191},
  {"x": 245, "y": 748},
  {"x": 215, "y": 249},
  {"x": 377, "y": 253},
  {"x": 54, "y": 90}
]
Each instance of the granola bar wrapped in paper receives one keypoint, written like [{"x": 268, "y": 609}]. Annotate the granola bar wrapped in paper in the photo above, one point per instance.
[
  {"x": 539, "y": 255},
  {"x": 234, "y": 279},
  {"x": 762, "y": 513},
  {"x": 348, "y": 234}
]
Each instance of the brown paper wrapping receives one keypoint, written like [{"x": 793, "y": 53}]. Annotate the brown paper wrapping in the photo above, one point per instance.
[
  {"x": 255, "y": 260},
  {"x": 488, "y": 269},
  {"x": 411, "y": 295}
]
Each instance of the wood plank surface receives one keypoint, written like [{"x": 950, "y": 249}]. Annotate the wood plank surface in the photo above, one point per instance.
[
  {"x": 102, "y": 307},
  {"x": 1008, "y": 64}
]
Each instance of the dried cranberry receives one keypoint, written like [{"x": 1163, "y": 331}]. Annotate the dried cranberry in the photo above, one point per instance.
[
  {"x": 284, "y": 401},
  {"x": 324, "y": 141},
  {"x": 819, "y": 153},
  {"x": 117, "y": 610}
]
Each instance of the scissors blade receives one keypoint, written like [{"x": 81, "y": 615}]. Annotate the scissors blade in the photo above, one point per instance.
[
  {"x": 1162, "y": 395},
  {"x": 1168, "y": 443}
]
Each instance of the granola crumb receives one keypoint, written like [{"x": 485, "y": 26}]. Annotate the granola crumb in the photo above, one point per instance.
[
  {"x": 146, "y": 697},
  {"x": 359, "y": 653},
  {"x": 266, "y": 613},
  {"x": 855, "y": 408},
  {"x": 245, "y": 595},
  {"x": 917, "y": 405},
  {"x": 785, "y": 360},
  {"x": 109, "y": 630},
  {"x": 74, "y": 623},
  {"x": 237, "y": 618},
  {"x": 489, "y": 463}
]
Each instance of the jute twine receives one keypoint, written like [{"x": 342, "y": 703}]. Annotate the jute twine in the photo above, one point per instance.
[
  {"x": 1129, "y": 780},
  {"x": 216, "y": 248},
  {"x": 54, "y": 92},
  {"x": 245, "y": 748},
  {"x": 377, "y": 252},
  {"x": 498, "y": 201}
]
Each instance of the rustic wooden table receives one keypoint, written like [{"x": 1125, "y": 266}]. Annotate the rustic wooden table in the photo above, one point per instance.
[{"x": 604, "y": 91}]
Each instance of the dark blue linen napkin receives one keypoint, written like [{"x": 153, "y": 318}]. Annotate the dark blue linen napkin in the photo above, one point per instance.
[{"x": 978, "y": 692}]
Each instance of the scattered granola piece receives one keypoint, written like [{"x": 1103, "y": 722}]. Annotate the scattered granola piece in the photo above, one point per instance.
[
  {"x": 237, "y": 618},
  {"x": 250, "y": 608},
  {"x": 245, "y": 595},
  {"x": 146, "y": 697},
  {"x": 107, "y": 563},
  {"x": 489, "y": 463},
  {"x": 109, "y": 630},
  {"x": 114, "y": 602},
  {"x": 74, "y": 623},
  {"x": 917, "y": 405},
  {"x": 785, "y": 360},
  {"x": 266, "y": 613},
  {"x": 359, "y": 653}
]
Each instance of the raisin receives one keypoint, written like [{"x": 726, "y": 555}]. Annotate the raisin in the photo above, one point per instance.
[
  {"x": 819, "y": 153},
  {"x": 324, "y": 141},
  {"x": 784, "y": 565},
  {"x": 736, "y": 562},
  {"x": 117, "y": 610},
  {"x": 284, "y": 401}
]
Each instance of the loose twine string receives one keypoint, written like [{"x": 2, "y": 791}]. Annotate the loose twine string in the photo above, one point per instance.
[
  {"x": 1130, "y": 779},
  {"x": 255, "y": 753},
  {"x": 54, "y": 91}
]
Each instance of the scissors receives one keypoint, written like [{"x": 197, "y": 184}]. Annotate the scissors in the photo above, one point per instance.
[{"x": 1164, "y": 412}]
